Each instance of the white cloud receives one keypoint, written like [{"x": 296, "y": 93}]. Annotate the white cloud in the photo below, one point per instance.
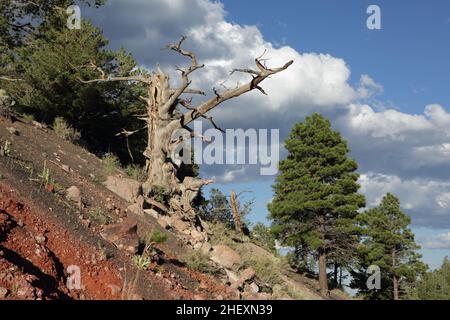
[
  {"x": 409, "y": 152},
  {"x": 441, "y": 241},
  {"x": 426, "y": 200}
]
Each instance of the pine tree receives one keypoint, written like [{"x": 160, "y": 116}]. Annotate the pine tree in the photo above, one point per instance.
[
  {"x": 389, "y": 244},
  {"x": 434, "y": 285},
  {"x": 20, "y": 19},
  {"x": 316, "y": 197},
  {"x": 50, "y": 67}
]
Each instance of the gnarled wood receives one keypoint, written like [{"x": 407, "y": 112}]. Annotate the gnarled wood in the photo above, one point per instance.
[{"x": 163, "y": 118}]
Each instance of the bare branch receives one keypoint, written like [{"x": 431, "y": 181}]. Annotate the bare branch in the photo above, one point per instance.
[
  {"x": 106, "y": 78},
  {"x": 184, "y": 73},
  {"x": 194, "y": 91},
  {"x": 205, "y": 107},
  {"x": 210, "y": 119},
  {"x": 9, "y": 79},
  {"x": 250, "y": 71}
]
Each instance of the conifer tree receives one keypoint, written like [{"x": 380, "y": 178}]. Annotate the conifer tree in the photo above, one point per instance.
[
  {"x": 316, "y": 199},
  {"x": 434, "y": 285},
  {"x": 389, "y": 244}
]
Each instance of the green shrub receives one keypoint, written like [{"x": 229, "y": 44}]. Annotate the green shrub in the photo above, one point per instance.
[
  {"x": 63, "y": 130},
  {"x": 98, "y": 216},
  {"x": 160, "y": 195},
  {"x": 222, "y": 235},
  {"x": 155, "y": 236},
  {"x": 27, "y": 118},
  {"x": 110, "y": 163},
  {"x": 198, "y": 261},
  {"x": 136, "y": 172},
  {"x": 142, "y": 262}
]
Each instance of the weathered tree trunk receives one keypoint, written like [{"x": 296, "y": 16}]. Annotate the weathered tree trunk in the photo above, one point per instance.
[
  {"x": 336, "y": 275},
  {"x": 235, "y": 211},
  {"x": 164, "y": 117},
  {"x": 323, "y": 279},
  {"x": 394, "y": 277}
]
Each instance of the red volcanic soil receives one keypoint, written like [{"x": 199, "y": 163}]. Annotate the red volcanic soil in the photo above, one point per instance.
[{"x": 35, "y": 253}]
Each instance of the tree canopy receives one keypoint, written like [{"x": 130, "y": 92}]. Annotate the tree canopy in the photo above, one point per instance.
[{"x": 316, "y": 198}]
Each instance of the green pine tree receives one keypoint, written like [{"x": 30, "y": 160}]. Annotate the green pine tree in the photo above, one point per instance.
[
  {"x": 389, "y": 244},
  {"x": 20, "y": 19},
  {"x": 435, "y": 285},
  {"x": 316, "y": 199},
  {"x": 52, "y": 66}
]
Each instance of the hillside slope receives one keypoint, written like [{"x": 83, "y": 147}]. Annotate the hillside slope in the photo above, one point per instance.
[{"x": 55, "y": 212}]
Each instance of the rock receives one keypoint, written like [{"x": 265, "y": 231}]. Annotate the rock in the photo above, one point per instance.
[
  {"x": 41, "y": 239},
  {"x": 152, "y": 213},
  {"x": 247, "y": 274},
  {"x": 38, "y": 124},
  {"x": 73, "y": 194},
  {"x": 197, "y": 246},
  {"x": 123, "y": 235},
  {"x": 13, "y": 131},
  {"x": 259, "y": 252},
  {"x": 180, "y": 225},
  {"x": 115, "y": 290},
  {"x": 126, "y": 188},
  {"x": 66, "y": 168},
  {"x": 206, "y": 248},
  {"x": 255, "y": 296},
  {"x": 163, "y": 223},
  {"x": 135, "y": 208},
  {"x": 3, "y": 293},
  {"x": 225, "y": 256},
  {"x": 197, "y": 236},
  {"x": 234, "y": 279},
  {"x": 252, "y": 288}
]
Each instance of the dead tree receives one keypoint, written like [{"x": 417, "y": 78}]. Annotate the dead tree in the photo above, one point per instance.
[
  {"x": 235, "y": 212},
  {"x": 163, "y": 118}
]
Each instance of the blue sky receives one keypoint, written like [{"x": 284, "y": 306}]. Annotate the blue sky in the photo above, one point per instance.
[
  {"x": 387, "y": 91},
  {"x": 409, "y": 55}
]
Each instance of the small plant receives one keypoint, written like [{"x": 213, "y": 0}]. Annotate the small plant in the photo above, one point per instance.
[
  {"x": 142, "y": 262},
  {"x": 110, "y": 163},
  {"x": 27, "y": 118},
  {"x": 98, "y": 216},
  {"x": 45, "y": 176},
  {"x": 136, "y": 172},
  {"x": 265, "y": 269},
  {"x": 15, "y": 288},
  {"x": 150, "y": 253},
  {"x": 65, "y": 131},
  {"x": 159, "y": 194},
  {"x": 103, "y": 255},
  {"x": 155, "y": 237},
  {"x": 5, "y": 150},
  {"x": 198, "y": 261}
]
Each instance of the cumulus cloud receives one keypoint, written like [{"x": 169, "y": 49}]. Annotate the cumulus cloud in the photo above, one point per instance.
[
  {"x": 441, "y": 241},
  {"x": 407, "y": 154},
  {"x": 393, "y": 142},
  {"x": 427, "y": 201}
]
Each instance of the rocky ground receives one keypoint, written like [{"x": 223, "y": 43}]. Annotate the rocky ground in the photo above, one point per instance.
[{"x": 59, "y": 208}]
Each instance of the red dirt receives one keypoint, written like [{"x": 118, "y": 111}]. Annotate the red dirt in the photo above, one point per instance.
[
  {"x": 35, "y": 253},
  {"x": 36, "y": 220}
]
